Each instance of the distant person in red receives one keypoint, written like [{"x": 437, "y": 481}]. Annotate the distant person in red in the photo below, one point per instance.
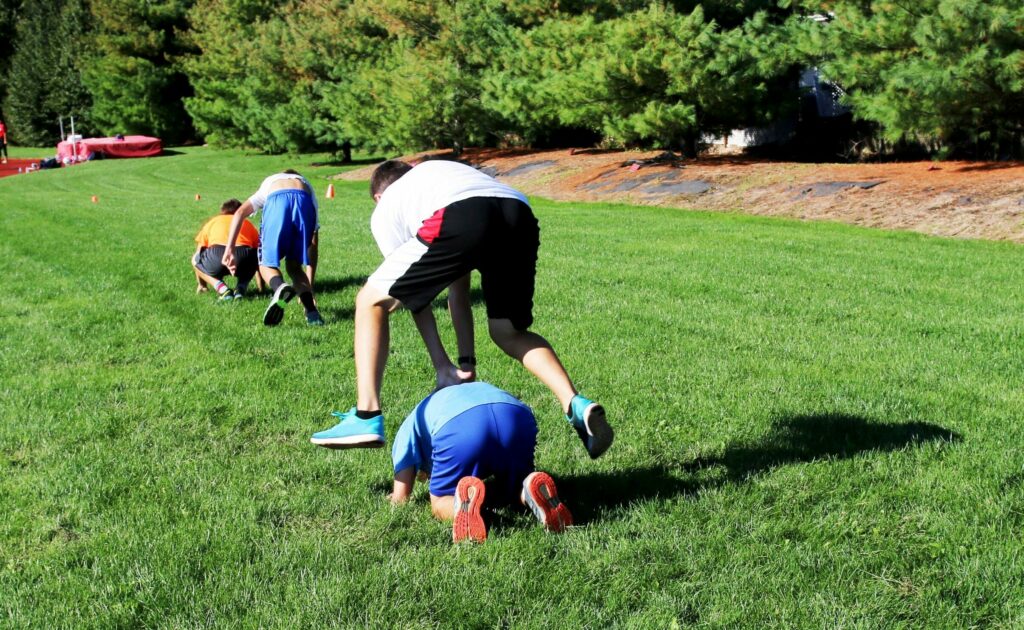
[{"x": 3, "y": 140}]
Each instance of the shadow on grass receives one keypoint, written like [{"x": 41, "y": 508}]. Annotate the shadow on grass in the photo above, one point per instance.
[
  {"x": 334, "y": 285},
  {"x": 793, "y": 439},
  {"x": 337, "y": 314}
]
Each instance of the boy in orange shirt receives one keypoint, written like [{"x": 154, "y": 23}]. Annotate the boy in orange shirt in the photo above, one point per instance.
[{"x": 210, "y": 243}]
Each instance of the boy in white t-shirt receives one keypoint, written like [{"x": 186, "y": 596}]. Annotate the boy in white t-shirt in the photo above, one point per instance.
[
  {"x": 287, "y": 230},
  {"x": 435, "y": 223}
]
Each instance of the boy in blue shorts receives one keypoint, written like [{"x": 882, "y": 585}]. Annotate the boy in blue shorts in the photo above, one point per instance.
[
  {"x": 435, "y": 223},
  {"x": 290, "y": 221},
  {"x": 462, "y": 434}
]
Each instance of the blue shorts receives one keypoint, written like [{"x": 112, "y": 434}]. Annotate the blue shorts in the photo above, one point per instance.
[
  {"x": 496, "y": 439},
  {"x": 289, "y": 222}
]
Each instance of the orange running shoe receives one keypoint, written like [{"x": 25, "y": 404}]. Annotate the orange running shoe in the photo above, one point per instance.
[
  {"x": 541, "y": 496},
  {"x": 469, "y": 498}
]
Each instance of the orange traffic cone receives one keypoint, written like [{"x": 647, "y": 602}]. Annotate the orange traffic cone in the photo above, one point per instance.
[
  {"x": 198, "y": 197},
  {"x": 95, "y": 199},
  {"x": 330, "y": 191}
]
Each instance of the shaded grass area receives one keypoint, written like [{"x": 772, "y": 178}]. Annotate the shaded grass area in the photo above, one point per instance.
[{"x": 817, "y": 425}]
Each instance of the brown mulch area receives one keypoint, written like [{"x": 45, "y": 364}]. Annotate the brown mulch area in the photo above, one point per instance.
[{"x": 961, "y": 199}]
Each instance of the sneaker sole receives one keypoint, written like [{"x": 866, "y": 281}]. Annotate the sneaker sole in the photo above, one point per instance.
[
  {"x": 368, "y": 440},
  {"x": 275, "y": 312},
  {"x": 542, "y": 499},
  {"x": 599, "y": 430},
  {"x": 468, "y": 524}
]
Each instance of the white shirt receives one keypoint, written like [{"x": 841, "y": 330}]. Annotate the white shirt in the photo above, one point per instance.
[
  {"x": 427, "y": 188},
  {"x": 259, "y": 199}
]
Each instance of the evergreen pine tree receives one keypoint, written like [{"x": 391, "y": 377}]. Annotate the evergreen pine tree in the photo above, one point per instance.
[
  {"x": 44, "y": 81},
  {"x": 133, "y": 74}
]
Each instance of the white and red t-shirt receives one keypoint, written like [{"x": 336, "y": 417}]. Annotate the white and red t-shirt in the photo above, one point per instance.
[{"x": 420, "y": 193}]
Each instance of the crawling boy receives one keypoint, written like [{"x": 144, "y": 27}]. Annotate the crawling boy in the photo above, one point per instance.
[
  {"x": 462, "y": 434},
  {"x": 435, "y": 223},
  {"x": 210, "y": 242}
]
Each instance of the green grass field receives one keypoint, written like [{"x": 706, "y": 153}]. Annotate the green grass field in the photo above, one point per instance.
[{"x": 817, "y": 425}]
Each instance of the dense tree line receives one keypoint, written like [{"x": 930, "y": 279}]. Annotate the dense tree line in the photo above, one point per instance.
[{"x": 295, "y": 75}]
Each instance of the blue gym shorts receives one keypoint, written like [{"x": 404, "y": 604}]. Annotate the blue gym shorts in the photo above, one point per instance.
[
  {"x": 289, "y": 222},
  {"x": 496, "y": 439}
]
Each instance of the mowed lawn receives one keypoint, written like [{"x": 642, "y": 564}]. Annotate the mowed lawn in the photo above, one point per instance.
[{"x": 817, "y": 425}]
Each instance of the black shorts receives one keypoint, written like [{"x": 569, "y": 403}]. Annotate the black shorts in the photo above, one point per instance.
[
  {"x": 208, "y": 260},
  {"x": 498, "y": 237}
]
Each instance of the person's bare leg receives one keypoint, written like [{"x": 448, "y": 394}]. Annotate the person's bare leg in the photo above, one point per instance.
[
  {"x": 536, "y": 355},
  {"x": 203, "y": 278},
  {"x": 443, "y": 508},
  {"x": 372, "y": 340},
  {"x": 266, "y": 273},
  {"x": 298, "y": 276},
  {"x": 201, "y": 284}
]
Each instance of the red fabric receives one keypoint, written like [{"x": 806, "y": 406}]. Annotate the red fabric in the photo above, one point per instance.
[
  {"x": 431, "y": 227},
  {"x": 13, "y": 164},
  {"x": 131, "y": 146}
]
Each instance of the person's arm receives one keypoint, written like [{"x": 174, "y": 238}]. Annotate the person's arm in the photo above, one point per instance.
[
  {"x": 462, "y": 320},
  {"x": 200, "y": 283},
  {"x": 236, "y": 226},
  {"x": 447, "y": 373},
  {"x": 405, "y": 479}
]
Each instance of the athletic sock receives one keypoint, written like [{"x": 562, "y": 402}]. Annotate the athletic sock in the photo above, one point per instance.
[
  {"x": 242, "y": 288},
  {"x": 221, "y": 288},
  {"x": 366, "y": 415},
  {"x": 307, "y": 301},
  {"x": 275, "y": 282}
]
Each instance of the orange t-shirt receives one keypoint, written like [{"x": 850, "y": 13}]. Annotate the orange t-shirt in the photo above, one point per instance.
[{"x": 216, "y": 230}]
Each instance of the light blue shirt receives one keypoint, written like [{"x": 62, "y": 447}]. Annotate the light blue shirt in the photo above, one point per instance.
[{"x": 414, "y": 445}]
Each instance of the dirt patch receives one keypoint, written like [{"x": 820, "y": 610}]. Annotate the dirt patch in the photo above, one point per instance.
[{"x": 962, "y": 199}]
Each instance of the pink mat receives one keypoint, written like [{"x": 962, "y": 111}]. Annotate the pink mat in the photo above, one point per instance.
[{"x": 130, "y": 147}]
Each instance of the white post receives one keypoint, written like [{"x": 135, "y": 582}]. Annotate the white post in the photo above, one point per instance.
[
  {"x": 60, "y": 121},
  {"x": 74, "y": 146}
]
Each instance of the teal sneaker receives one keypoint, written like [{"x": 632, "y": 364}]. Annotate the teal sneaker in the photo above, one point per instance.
[
  {"x": 352, "y": 432},
  {"x": 313, "y": 319},
  {"x": 587, "y": 417}
]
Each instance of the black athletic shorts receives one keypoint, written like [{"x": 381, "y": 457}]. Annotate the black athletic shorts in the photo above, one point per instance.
[
  {"x": 208, "y": 260},
  {"x": 498, "y": 237}
]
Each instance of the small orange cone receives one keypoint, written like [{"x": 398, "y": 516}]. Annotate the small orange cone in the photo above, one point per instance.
[
  {"x": 198, "y": 197},
  {"x": 95, "y": 199},
  {"x": 330, "y": 191}
]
